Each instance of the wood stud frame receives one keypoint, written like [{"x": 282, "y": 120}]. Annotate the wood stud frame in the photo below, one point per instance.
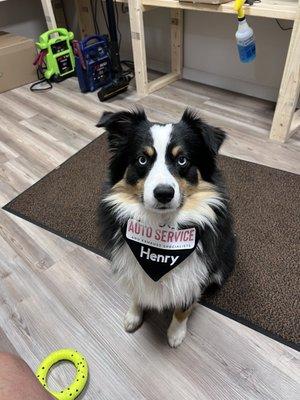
[{"x": 286, "y": 120}]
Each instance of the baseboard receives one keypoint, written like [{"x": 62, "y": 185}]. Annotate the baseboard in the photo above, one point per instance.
[
  {"x": 223, "y": 82},
  {"x": 153, "y": 64},
  {"x": 236, "y": 85}
]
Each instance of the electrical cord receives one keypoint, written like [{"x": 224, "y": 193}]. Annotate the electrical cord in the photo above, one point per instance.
[
  {"x": 117, "y": 22},
  {"x": 118, "y": 29},
  {"x": 96, "y": 17},
  {"x": 251, "y": 2},
  {"x": 104, "y": 15},
  {"x": 33, "y": 87},
  {"x": 94, "y": 9},
  {"x": 93, "y": 15},
  {"x": 64, "y": 14},
  {"x": 41, "y": 80},
  {"x": 282, "y": 27},
  {"x": 129, "y": 64},
  {"x": 124, "y": 8}
]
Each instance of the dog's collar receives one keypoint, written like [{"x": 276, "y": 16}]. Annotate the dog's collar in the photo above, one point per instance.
[{"x": 161, "y": 248}]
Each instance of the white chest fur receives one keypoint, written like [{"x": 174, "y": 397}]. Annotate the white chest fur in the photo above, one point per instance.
[{"x": 177, "y": 288}]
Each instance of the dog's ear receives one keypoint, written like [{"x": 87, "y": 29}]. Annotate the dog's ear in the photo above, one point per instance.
[
  {"x": 212, "y": 137},
  {"x": 104, "y": 119},
  {"x": 121, "y": 126}
]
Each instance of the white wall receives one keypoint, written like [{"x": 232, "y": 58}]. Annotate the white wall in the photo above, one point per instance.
[
  {"x": 22, "y": 17},
  {"x": 210, "y": 54},
  {"x": 157, "y": 34}
]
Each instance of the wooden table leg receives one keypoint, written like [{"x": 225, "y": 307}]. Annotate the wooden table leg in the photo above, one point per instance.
[
  {"x": 177, "y": 41},
  {"x": 138, "y": 45},
  {"x": 289, "y": 88}
]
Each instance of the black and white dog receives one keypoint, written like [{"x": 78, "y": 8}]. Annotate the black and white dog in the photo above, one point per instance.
[{"x": 165, "y": 214}]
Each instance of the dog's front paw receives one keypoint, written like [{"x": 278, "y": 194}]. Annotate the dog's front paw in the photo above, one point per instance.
[
  {"x": 176, "y": 334},
  {"x": 133, "y": 319}
]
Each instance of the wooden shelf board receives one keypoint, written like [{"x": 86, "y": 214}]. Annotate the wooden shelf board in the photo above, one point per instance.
[{"x": 267, "y": 8}]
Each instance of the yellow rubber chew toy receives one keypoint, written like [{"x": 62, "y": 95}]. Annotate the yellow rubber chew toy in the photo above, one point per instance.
[{"x": 77, "y": 386}]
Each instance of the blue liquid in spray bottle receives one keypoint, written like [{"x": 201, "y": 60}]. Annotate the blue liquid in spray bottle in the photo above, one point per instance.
[{"x": 245, "y": 41}]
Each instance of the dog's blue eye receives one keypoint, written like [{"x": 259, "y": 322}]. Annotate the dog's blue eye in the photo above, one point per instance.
[
  {"x": 181, "y": 160},
  {"x": 142, "y": 160}
]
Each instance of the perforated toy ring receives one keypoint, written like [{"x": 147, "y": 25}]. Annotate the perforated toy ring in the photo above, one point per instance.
[{"x": 77, "y": 386}]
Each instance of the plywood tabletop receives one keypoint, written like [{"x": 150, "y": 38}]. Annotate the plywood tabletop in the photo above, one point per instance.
[{"x": 283, "y": 9}]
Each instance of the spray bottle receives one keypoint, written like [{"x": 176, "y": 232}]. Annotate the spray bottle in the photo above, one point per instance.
[{"x": 244, "y": 36}]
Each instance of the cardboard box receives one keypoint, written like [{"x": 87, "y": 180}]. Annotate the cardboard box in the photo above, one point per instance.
[{"x": 16, "y": 57}]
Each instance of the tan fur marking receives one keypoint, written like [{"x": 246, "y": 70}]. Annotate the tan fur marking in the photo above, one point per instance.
[
  {"x": 125, "y": 198},
  {"x": 129, "y": 192},
  {"x": 176, "y": 150},
  {"x": 187, "y": 189},
  {"x": 203, "y": 187},
  {"x": 194, "y": 197},
  {"x": 149, "y": 151},
  {"x": 181, "y": 315},
  {"x": 195, "y": 194}
]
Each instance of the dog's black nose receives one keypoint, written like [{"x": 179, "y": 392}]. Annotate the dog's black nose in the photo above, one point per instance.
[{"x": 164, "y": 193}]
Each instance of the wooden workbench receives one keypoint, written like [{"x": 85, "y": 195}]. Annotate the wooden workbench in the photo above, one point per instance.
[{"x": 285, "y": 120}]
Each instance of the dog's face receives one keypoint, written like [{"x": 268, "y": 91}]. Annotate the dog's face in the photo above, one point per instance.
[{"x": 160, "y": 166}]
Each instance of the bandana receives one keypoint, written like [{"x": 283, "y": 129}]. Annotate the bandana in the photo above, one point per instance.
[{"x": 159, "y": 249}]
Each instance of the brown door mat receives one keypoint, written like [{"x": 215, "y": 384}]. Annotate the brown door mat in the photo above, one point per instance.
[{"x": 262, "y": 293}]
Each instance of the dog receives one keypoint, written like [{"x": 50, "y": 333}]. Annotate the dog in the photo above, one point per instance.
[{"x": 165, "y": 215}]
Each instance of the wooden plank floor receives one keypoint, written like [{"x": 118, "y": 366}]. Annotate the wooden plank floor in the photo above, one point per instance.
[{"x": 55, "y": 294}]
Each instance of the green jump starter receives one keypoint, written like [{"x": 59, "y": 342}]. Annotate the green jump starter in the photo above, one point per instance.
[{"x": 59, "y": 58}]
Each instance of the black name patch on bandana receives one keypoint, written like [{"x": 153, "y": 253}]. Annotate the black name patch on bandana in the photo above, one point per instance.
[{"x": 159, "y": 249}]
